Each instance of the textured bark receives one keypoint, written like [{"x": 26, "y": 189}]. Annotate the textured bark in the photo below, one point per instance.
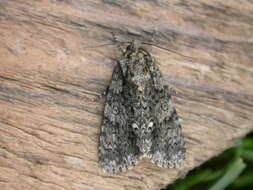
[{"x": 51, "y": 81}]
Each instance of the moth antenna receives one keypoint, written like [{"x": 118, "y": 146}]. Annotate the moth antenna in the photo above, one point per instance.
[
  {"x": 166, "y": 49},
  {"x": 115, "y": 41},
  {"x": 101, "y": 45}
]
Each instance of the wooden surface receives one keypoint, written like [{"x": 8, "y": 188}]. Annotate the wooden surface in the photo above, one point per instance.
[{"x": 50, "y": 84}]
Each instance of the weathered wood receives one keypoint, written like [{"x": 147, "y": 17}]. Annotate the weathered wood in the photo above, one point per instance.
[{"x": 50, "y": 84}]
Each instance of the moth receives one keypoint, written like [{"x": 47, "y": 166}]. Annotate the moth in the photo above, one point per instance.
[{"x": 140, "y": 119}]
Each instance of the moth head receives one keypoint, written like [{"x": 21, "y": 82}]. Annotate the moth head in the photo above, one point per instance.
[
  {"x": 132, "y": 47},
  {"x": 139, "y": 76}
]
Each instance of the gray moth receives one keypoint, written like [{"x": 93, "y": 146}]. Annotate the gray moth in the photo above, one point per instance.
[{"x": 140, "y": 119}]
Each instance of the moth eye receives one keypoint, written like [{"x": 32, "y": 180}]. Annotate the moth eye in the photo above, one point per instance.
[{"x": 135, "y": 126}]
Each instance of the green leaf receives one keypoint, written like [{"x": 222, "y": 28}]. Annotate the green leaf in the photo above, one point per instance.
[
  {"x": 245, "y": 180},
  {"x": 214, "y": 175},
  {"x": 192, "y": 180},
  {"x": 247, "y": 143},
  {"x": 231, "y": 174},
  {"x": 247, "y": 155}
]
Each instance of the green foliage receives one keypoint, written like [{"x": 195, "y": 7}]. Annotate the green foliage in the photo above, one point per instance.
[{"x": 233, "y": 170}]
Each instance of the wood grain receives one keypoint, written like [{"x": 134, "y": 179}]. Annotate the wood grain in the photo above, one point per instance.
[{"x": 51, "y": 80}]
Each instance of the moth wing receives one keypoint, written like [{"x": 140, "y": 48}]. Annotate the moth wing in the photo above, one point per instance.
[
  {"x": 168, "y": 148},
  {"x": 117, "y": 149}
]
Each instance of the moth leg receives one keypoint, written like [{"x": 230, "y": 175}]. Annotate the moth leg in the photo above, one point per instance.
[
  {"x": 118, "y": 42},
  {"x": 105, "y": 92},
  {"x": 172, "y": 91},
  {"x": 154, "y": 33}
]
